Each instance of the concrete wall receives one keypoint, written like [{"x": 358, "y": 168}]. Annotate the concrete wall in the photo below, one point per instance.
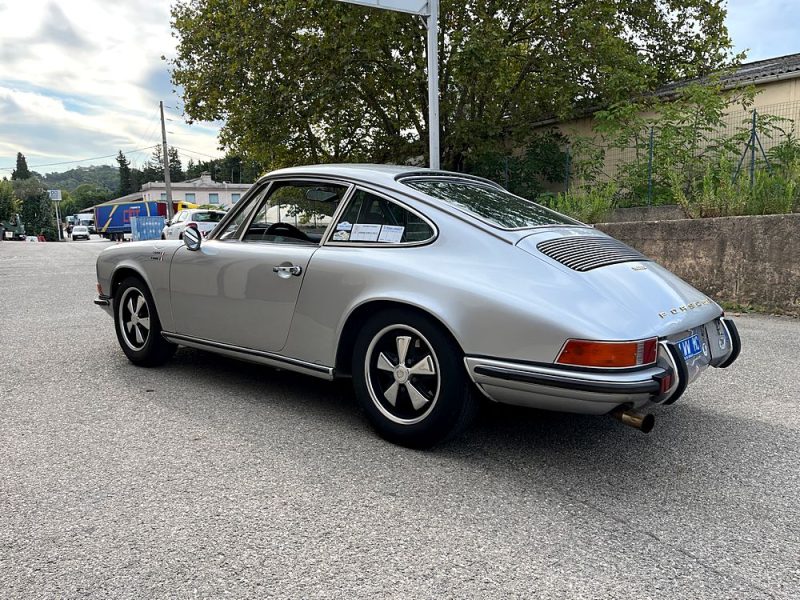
[
  {"x": 751, "y": 261},
  {"x": 667, "y": 212}
]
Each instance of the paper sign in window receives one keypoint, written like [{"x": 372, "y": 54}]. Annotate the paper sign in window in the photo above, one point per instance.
[
  {"x": 365, "y": 232},
  {"x": 391, "y": 234}
]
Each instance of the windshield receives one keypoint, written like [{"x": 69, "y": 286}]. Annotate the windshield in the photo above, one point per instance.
[
  {"x": 488, "y": 203},
  {"x": 208, "y": 217}
]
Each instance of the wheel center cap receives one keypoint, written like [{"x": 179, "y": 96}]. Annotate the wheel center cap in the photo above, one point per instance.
[{"x": 401, "y": 374}]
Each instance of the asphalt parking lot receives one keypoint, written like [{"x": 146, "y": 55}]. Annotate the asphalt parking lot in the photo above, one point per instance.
[{"x": 212, "y": 478}]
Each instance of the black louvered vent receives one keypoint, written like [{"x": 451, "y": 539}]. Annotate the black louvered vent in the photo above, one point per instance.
[{"x": 584, "y": 253}]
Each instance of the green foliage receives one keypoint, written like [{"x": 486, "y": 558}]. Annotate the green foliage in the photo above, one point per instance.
[
  {"x": 685, "y": 133},
  {"x": 323, "y": 81},
  {"x": 717, "y": 195},
  {"x": 543, "y": 161},
  {"x": 591, "y": 204},
  {"x": 154, "y": 168},
  {"x": 37, "y": 210},
  {"x": 21, "y": 172},
  {"x": 232, "y": 168},
  {"x": 104, "y": 176},
  {"x": 125, "y": 177},
  {"x": 8, "y": 203}
]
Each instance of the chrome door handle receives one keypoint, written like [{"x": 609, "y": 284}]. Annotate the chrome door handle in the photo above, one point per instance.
[{"x": 293, "y": 270}]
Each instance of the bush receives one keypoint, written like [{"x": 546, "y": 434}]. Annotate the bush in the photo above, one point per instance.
[{"x": 588, "y": 205}]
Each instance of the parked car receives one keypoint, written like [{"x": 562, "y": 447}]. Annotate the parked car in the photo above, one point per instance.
[
  {"x": 426, "y": 287},
  {"x": 80, "y": 232},
  {"x": 203, "y": 221}
]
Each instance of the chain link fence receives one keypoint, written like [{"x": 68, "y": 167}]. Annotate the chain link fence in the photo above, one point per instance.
[{"x": 741, "y": 144}]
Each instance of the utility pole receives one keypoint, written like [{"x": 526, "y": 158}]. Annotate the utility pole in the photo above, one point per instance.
[{"x": 166, "y": 164}]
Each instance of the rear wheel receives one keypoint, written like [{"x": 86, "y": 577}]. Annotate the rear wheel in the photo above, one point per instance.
[
  {"x": 137, "y": 325},
  {"x": 410, "y": 379}
]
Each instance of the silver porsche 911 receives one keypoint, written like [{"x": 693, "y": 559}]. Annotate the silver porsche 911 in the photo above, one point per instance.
[{"x": 425, "y": 287}]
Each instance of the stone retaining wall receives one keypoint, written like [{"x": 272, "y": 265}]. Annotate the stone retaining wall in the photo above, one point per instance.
[{"x": 750, "y": 261}]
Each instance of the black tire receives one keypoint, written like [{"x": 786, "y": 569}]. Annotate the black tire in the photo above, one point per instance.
[
  {"x": 426, "y": 407},
  {"x": 163, "y": 237},
  {"x": 137, "y": 325}
]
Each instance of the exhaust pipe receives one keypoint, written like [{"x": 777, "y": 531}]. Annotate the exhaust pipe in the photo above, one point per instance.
[{"x": 643, "y": 423}]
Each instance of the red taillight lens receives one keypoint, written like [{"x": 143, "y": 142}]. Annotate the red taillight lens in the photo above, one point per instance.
[{"x": 586, "y": 353}]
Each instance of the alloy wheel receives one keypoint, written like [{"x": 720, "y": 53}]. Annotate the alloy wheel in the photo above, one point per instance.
[
  {"x": 134, "y": 319},
  {"x": 403, "y": 375}
]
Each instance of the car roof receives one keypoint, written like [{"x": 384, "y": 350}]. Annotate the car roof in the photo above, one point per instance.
[{"x": 385, "y": 174}]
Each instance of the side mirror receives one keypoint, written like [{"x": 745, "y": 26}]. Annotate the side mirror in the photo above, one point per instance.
[
  {"x": 168, "y": 223},
  {"x": 191, "y": 238}
]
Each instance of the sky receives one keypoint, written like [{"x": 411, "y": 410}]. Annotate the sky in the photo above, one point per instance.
[{"x": 81, "y": 79}]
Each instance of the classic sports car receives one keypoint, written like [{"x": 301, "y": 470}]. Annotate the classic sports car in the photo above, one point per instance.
[{"x": 423, "y": 286}]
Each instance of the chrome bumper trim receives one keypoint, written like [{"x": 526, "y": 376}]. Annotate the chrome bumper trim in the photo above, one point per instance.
[{"x": 568, "y": 381}]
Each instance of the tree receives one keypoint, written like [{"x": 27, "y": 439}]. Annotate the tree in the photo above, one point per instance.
[
  {"x": 38, "y": 212},
  {"x": 7, "y": 202},
  {"x": 21, "y": 172},
  {"x": 154, "y": 168},
  {"x": 87, "y": 195},
  {"x": 323, "y": 81},
  {"x": 175, "y": 167},
  {"x": 232, "y": 168},
  {"x": 125, "y": 181}
]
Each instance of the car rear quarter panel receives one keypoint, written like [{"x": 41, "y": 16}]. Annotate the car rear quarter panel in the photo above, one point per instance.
[{"x": 496, "y": 299}]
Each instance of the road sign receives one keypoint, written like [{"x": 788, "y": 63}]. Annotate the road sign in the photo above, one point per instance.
[
  {"x": 415, "y": 7},
  {"x": 55, "y": 195}
]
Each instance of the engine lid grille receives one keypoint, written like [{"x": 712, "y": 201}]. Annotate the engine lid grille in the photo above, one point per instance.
[{"x": 584, "y": 253}]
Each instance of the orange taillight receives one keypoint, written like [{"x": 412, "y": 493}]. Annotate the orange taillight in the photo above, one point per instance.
[{"x": 586, "y": 353}]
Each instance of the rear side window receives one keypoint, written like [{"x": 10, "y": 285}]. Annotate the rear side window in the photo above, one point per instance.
[
  {"x": 208, "y": 217},
  {"x": 490, "y": 204},
  {"x": 372, "y": 219}
]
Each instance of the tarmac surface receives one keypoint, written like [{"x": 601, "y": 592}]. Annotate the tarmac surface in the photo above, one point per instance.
[{"x": 213, "y": 478}]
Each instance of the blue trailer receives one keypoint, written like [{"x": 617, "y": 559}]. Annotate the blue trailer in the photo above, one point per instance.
[{"x": 113, "y": 219}]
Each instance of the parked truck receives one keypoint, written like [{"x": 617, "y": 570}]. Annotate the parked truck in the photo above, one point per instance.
[
  {"x": 13, "y": 229},
  {"x": 113, "y": 220}
]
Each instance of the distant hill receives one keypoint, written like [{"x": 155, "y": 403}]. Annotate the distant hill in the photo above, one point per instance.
[{"x": 102, "y": 175}]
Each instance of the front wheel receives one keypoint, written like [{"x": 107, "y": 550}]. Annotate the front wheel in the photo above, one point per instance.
[
  {"x": 410, "y": 379},
  {"x": 138, "y": 326}
]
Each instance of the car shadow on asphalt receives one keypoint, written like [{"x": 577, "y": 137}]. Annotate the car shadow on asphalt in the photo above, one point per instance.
[{"x": 499, "y": 429}]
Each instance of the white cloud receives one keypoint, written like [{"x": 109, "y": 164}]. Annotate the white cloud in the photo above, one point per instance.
[
  {"x": 765, "y": 28},
  {"x": 90, "y": 72}
]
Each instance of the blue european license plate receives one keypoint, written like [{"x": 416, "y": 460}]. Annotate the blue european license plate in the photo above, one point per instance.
[{"x": 691, "y": 346}]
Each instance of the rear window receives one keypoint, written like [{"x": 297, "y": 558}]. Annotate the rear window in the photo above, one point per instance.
[
  {"x": 207, "y": 217},
  {"x": 490, "y": 204}
]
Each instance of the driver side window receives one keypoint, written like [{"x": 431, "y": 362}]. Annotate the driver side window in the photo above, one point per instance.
[{"x": 294, "y": 213}]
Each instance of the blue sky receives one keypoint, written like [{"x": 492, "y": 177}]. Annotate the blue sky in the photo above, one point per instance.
[{"x": 82, "y": 79}]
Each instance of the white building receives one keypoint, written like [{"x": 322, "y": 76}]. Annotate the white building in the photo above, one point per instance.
[{"x": 201, "y": 190}]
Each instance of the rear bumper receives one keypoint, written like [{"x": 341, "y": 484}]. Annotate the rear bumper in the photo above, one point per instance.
[
  {"x": 556, "y": 388},
  {"x": 104, "y": 302},
  {"x": 597, "y": 392}
]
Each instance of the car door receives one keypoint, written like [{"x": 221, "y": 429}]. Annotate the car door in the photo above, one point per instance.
[{"x": 240, "y": 288}]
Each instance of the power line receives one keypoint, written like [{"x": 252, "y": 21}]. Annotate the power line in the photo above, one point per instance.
[
  {"x": 199, "y": 153},
  {"x": 69, "y": 162}
]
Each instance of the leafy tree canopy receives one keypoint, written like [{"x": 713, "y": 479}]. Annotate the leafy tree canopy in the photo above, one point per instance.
[{"x": 323, "y": 81}]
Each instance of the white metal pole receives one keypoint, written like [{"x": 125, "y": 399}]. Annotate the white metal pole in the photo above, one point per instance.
[
  {"x": 433, "y": 83},
  {"x": 167, "y": 182},
  {"x": 58, "y": 223}
]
